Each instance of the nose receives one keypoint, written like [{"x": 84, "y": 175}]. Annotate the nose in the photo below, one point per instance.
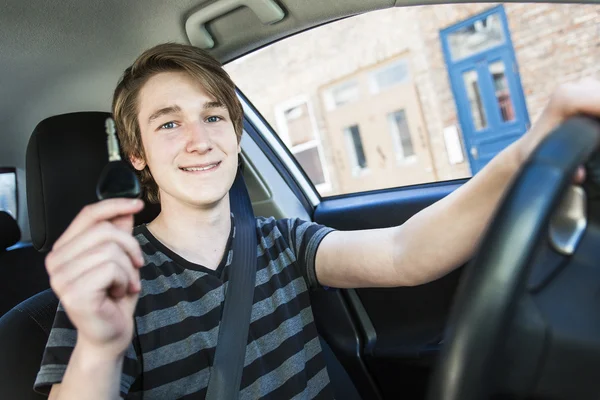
[{"x": 198, "y": 139}]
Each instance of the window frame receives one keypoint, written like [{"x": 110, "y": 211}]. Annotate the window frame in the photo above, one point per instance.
[
  {"x": 13, "y": 170},
  {"x": 283, "y": 132},
  {"x": 374, "y": 88}
]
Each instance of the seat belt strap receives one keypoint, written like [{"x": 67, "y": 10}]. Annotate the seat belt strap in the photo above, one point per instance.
[{"x": 230, "y": 353}]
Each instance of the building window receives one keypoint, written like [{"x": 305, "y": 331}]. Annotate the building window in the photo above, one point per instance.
[
  {"x": 389, "y": 76},
  {"x": 342, "y": 94},
  {"x": 298, "y": 129},
  {"x": 355, "y": 149},
  {"x": 478, "y": 36},
  {"x": 8, "y": 191},
  {"x": 403, "y": 145}
]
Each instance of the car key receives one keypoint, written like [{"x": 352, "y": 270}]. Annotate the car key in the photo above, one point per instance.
[{"x": 117, "y": 178}]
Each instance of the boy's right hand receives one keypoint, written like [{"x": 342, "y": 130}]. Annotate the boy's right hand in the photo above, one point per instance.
[{"x": 94, "y": 270}]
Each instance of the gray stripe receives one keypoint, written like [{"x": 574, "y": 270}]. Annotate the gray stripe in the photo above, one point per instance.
[
  {"x": 126, "y": 382},
  {"x": 274, "y": 379},
  {"x": 158, "y": 258},
  {"x": 163, "y": 283},
  {"x": 179, "y": 350},
  {"x": 314, "y": 386},
  {"x": 280, "y": 296},
  {"x": 142, "y": 240},
  {"x": 272, "y": 340},
  {"x": 50, "y": 374},
  {"x": 181, "y": 387},
  {"x": 266, "y": 242},
  {"x": 283, "y": 260},
  {"x": 300, "y": 232},
  {"x": 62, "y": 337},
  {"x": 184, "y": 309}
]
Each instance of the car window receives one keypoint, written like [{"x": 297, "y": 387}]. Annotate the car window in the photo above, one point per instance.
[
  {"x": 8, "y": 191},
  {"x": 416, "y": 94}
]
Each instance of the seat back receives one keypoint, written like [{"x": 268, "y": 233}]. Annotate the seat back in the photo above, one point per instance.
[{"x": 22, "y": 269}]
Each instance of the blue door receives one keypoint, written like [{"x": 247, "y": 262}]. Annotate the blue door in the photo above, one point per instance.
[{"x": 485, "y": 81}]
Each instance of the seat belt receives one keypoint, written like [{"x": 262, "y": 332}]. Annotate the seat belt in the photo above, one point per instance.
[{"x": 230, "y": 353}]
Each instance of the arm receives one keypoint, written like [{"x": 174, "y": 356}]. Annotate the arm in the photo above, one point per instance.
[
  {"x": 91, "y": 375},
  {"x": 445, "y": 235},
  {"x": 93, "y": 269}
]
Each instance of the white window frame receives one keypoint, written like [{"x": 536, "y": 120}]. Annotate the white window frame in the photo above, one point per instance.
[
  {"x": 282, "y": 130},
  {"x": 374, "y": 87},
  {"x": 401, "y": 159},
  {"x": 330, "y": 100}
]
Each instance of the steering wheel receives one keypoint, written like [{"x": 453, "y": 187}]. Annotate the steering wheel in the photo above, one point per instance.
[{"x": 526, "y": 319}]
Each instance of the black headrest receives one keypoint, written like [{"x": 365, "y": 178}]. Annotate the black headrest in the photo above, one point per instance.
[
  {"x": 9, "y": 231},
  {"x": 65, "y": 157}
]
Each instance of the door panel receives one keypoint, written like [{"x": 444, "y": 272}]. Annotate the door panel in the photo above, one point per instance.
[{"x": 399, "y": 329}]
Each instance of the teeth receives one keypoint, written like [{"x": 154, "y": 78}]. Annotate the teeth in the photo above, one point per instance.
[{"x": 200, "y": 169}]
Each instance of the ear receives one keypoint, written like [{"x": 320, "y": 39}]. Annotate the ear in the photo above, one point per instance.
[{"x": 138, "y": 163}]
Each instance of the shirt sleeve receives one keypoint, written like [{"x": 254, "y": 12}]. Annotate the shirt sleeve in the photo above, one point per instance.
[
  {"x": 57, "y": 354},
  {"x": 303, "y": 239}
]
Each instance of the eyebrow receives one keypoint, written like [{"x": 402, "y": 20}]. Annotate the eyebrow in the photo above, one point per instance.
[
  {"x": 175, "y": 109},
  {"x": 213, "y": 104},
  {"x": 163, "y": 111}
]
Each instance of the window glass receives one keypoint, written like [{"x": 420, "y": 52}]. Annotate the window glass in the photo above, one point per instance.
[
  {"x": 345, "y": 93},
  {"x": 403, "y": 144},
  {"x": 477, "y": 36},
  {"x": 8, "y": 191},
  {"x": 411, "y": 95},
  {"x": 389, "y": 76},
  {"x": 354, "y": 148}
]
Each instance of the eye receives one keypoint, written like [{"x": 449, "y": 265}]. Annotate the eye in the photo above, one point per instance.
[
  {"x": 169, "y": 125},
  {"x": 213, "y": 118}
]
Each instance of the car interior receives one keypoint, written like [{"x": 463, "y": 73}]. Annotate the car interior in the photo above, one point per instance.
[{"x": 536, "y": 331}]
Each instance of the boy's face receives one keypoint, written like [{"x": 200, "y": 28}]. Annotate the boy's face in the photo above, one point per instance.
[{"x": 188, "y": 138}]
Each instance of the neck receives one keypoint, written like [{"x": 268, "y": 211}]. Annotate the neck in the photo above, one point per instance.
[{"x": 199, "y": 235}]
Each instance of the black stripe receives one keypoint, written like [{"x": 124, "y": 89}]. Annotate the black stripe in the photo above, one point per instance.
[
  {"x": 179, "y": 369},
  {"x": 282, "y": 313},
  {"x": 297, "y": 383},
  {"x": 201, "y": 394},
  {"x": 175, "y": 295},
  {"x": 272, "y": 360},
  {"x": 176, "y": 332},
  {"x": 57, "y": 355}
]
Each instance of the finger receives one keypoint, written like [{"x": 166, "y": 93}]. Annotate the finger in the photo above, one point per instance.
[
  {"x": 571, "y": 99},
  {"x": 89, "y": 241},
  {"x": 102, "y": 211},
  {"x": 580, "y": 175},
  {"x": 100, "y": 282},
  {"x": 109, "y": 252},
  {"x": 124, "y": 223}
]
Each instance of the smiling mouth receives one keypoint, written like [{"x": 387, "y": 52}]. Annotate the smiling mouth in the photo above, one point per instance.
[{"x": 208, "y": 167}]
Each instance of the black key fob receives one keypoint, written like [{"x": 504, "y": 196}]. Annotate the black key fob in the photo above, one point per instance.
[{"x": 117, "y": 178}]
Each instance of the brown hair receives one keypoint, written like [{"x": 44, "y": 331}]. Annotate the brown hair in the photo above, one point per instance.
[{"x": 168, "y": 57}]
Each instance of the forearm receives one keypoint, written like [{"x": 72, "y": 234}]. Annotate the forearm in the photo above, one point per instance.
[
  {"x": 91, "y": 374},
  {"x": 444, "y": 236}
]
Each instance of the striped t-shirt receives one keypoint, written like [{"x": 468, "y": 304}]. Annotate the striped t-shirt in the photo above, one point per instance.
[{"x": 178, "y": 315}]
